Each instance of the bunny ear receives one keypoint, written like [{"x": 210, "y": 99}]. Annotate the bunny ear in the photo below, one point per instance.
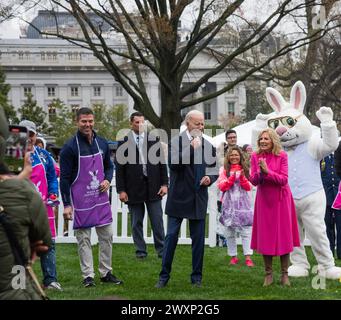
[
  {"x": 275, "y": 99},
  {"x": 298, "y": 96}
]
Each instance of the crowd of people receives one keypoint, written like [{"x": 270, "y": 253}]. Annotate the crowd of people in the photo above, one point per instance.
[{"x": 255, "y": 200}]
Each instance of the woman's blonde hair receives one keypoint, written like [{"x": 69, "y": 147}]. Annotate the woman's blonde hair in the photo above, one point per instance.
[
  {"x": 243, "y": 162},
  {"x": 276, "y": 143}
]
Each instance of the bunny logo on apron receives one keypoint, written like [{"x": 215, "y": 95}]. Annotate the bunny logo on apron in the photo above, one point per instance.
[{"x": 91, "y": 207}]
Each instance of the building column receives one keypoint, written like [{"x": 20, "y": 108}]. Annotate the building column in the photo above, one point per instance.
[
  {"x": 40, "y": 96},
  {"x": 85, "y": 95},
  {"x": 15, "y": 96},
  {"x": 241, "y": 98},
  {"x": 130, "y": 105},
  {"x": 63, "y": 95},
  {"x": 221, "y": 104},
  {"x": 108, "y": 95},
  {"x": 154, "y": 97}
]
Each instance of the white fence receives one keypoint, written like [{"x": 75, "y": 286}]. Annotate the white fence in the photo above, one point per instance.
[{"x": 121, "y": 222}]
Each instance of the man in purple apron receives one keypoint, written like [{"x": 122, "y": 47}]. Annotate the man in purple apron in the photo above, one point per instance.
[
  {"x": 45, "y": 180},
  {"x": 85, "y": 174}
]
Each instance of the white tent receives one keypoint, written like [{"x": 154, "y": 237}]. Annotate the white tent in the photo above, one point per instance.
[{"x": 244, "y": 132}]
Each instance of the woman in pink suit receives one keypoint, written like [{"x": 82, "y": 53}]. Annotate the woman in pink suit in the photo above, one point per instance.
[{"x": 274, "y": 231}]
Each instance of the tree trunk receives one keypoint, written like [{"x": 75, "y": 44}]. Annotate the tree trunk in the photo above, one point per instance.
[{"x": 170, "y": 110}]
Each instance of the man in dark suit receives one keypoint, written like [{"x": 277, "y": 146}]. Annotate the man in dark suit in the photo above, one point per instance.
[
  {"x": 332, "y": 218},
  {"x": 141, "y": 178},
  {"x": 192, "y": 163},
  {"x": 337, "y": 160}
]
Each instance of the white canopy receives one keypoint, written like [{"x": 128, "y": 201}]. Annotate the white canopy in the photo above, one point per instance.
[{"x": 244, "y": 132}]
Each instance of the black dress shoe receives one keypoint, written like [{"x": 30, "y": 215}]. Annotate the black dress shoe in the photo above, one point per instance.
[
  {"x": 89, "y": 282},
  {"x": 161, "y": 284},
  {"x": 110, "y": 278}
]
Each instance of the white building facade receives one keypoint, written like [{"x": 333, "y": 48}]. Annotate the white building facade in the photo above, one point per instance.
[{"x": 56, "y": 69}]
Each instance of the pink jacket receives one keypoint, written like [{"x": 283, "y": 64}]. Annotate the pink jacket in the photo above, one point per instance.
[
  {"x": 225, "y": 183},
  {"x": 274, "y": 230}
]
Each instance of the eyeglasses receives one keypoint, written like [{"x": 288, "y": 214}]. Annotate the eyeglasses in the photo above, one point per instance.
[{"x": 286, "y": 121}]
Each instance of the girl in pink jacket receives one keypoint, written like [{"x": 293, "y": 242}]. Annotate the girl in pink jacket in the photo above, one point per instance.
[{"x": 237, "y": 215}]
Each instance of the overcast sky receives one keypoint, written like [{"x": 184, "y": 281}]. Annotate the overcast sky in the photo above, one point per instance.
[
  {"x": 250, "y": 8},
  {"x": 10, "y": 30}
]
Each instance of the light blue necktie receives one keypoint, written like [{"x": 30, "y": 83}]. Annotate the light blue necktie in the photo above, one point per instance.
[{"x": 144, "y": 166}]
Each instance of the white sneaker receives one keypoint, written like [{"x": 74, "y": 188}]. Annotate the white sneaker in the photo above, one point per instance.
[{"x": 55, "y": 285}]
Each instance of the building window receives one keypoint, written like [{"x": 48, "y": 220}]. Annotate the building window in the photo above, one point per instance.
[
  {"x": 207, "y": 111},
  {"x": 74, "y": 91},
  {"x": 42, "y": 56},
  {"x": 74, "y": 109},
  {"x": 119, "y": 91},
  {"x": 27, "y": 90},
  {"x": 24, "y": 55},
  {"x": 230, "y": 108},
  {"x": 52, "y": 113},
  {"x": 51, "y": 91},
  {"x": 97, "y": 91},
  {"x": 74, "y": 56},
  {"x": 52, "y": 56}
]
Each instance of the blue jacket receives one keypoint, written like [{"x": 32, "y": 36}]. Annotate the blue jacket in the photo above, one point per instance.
[
  {"x": 46, "y": 159},
  {"x": 330, "y": 179},
  {"x": 337, "y": 160},
  {"x": 69, "y": 161}
]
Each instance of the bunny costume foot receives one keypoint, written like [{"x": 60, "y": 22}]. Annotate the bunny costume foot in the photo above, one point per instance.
[
  {"x": 297, "y": 271},
  {"x": 305, "y": 150},
  {"x": 330, "y": 273}
]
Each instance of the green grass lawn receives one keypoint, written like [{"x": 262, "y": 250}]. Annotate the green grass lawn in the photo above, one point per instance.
[{"x": 220, "y": 281}]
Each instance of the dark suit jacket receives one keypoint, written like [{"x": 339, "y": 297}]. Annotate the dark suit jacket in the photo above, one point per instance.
[
  {"x": 129, "y": 170},
  {"x": 186, "y": 198},
  {"x": 330, "y": 179},
  {"x": 337, "y": 160}
]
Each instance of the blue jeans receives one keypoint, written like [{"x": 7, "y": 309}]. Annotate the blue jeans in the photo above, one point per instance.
[{"x": 48, "y": 265}]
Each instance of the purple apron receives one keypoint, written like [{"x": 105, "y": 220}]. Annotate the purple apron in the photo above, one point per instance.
[
  {"x": 38, "y": 177},
  {"x": 91, "y": 207}
]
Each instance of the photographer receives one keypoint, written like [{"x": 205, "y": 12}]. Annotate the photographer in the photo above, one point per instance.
[{"x": 24, "y": 230}]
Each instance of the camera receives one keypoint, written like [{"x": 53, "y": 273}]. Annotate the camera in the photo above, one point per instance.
[{"x": 17, "y": 144}]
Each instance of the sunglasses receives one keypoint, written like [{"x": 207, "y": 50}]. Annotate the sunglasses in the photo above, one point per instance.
[{"x": 286, "y": 121}]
